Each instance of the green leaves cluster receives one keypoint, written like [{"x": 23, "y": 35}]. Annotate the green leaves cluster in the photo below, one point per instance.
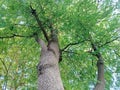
[{"x": 76, "y": 21}]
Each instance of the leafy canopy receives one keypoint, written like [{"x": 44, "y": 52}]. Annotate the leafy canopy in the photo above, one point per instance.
[{"x": 77, "y": 21}]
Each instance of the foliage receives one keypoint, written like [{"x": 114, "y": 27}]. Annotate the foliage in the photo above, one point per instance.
[{"x": 76, "y": 21}]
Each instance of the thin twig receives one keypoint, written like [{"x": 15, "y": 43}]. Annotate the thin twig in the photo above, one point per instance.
[
  {"x": 117, "y": 53},
  {"x": 109, "y": 42},
  {"x": 71, "y": 52},
  {"x": 71, "y": 44},
  {"x": 15, "y": 35},
  {"x": 25, "y": 25},
  {"x": 4, "y": 65}
]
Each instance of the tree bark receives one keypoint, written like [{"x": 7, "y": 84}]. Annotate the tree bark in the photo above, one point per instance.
[
  {"x": 100, "y": 79},
  {"x": 48, "y": 69},
  {"x": 100, "y": 85}
]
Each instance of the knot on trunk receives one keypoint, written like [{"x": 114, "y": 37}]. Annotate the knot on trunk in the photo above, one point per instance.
[
  {"x": 100, "y": 62},
  {"x": 41, "y": 68}
]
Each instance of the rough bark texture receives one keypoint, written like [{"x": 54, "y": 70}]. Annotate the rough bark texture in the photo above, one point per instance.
[
  {"x": 100, "y": 80},
  {"x": 100, "y": 85},
  {"x": 48, "y": 69}
]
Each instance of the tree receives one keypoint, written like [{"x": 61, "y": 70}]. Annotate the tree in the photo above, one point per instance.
[
  {"x": 75, "y": 33},
  {"x": 48, "y": 69}
]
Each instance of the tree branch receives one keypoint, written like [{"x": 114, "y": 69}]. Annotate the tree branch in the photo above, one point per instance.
[
  {"x": 71, "y": 52},
  {"x": 25, "y": 25},
  {"x": 117, "y": 53},
  {"x": 71, "y": 44},
  {"x": 15, "y": 35},
  {"x": 64, "y": 49},
  {"x": 109, "y": 42},
  {"x": 40, "y": 42},
  {"x": 33, "y": 11},
  {"x": 6, "y": 69}
]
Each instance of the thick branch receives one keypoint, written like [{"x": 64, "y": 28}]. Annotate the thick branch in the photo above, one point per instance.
[
  {"x": 54, "y": 33},
  {"x": 14, "y": 35},
  {"x": 39, "y": 23},
  {"x": 94, "y": 46},
  {"x": 40, "y": 42}
]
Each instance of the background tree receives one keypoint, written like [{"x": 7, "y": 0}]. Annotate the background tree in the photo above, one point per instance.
[{"x": 81, "y": 25}]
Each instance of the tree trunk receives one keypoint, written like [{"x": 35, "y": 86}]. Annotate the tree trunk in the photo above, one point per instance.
[
  {"x": 100, "y": 66},
  {"x": 100, "y": 80},
  {"x": 48, "y": 69}
]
